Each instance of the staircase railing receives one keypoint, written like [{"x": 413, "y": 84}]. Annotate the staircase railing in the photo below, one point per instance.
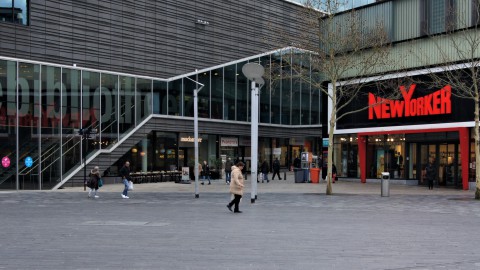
[{"x": 97, "y": 152}]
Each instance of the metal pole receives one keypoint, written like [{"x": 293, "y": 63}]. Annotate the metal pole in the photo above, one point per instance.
[
  {"x": 254, "y": 142},
  {"x": 85, "y": 162},
  {"x": 195, "y": 127}
]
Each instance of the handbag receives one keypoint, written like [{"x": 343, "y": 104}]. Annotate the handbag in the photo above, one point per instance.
[
  {"x": 100, "y": 182},
  {"x": 130, "y": 185}
]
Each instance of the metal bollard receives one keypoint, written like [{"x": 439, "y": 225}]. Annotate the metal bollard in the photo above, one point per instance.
[
  {"x": 284, "y": 175},
  {"x": 385, "y": 184}
]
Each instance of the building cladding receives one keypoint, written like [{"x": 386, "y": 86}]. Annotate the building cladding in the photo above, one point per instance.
[{"x": 146, "y": 37}]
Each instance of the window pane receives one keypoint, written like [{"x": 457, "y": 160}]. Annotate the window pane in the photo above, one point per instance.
[
  {"x": 127, "y": 108},
  {"x": 188, "y": 87},
  {"x": 217, "y": 93},
  {"x": 6, "y": 11},
  {"x": 8, "y": 121},
  {"x": 51, "y": 115},
  {"x": 276, "y": 84},
  {"x": 159, "y": 97},
  {"x": 109, "y": 101},
  {"x": 243, "y": 94},
  {"x": 144, "y": 99},
  {"x": 286, "y": 88},
  {"x": 20, "y": 14},
  {"x": 229, "y": 93},
  {"x": 174, "y": 100},
  {"x": 265, "y": 93},
  {"x": 90, "y": 106},
  {"x": 70, "y": 118}
]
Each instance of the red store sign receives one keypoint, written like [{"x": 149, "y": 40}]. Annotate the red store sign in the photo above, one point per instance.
[{"x": 436, "y": 103}]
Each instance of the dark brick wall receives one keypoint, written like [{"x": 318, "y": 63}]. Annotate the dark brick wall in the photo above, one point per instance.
[{"x": 147, "y": 37}]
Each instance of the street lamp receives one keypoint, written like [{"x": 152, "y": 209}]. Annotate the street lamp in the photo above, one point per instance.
[
  {"x": 195, "y": 131},
  {"x": 254, "y": 73}
]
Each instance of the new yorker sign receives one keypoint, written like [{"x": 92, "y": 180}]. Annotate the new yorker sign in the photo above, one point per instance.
[
  {"x": 436, "y": 103},
  {"x": 419, "y": 103}
]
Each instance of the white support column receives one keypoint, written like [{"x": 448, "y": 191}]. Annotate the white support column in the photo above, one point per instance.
[{"x": 254, "y": 142}]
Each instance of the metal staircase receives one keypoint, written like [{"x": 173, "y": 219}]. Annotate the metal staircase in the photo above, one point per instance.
[{"x": 105, "y": 158}]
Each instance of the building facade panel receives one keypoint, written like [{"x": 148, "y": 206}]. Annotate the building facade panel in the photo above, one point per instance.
[{"x": 138, "y": 26}]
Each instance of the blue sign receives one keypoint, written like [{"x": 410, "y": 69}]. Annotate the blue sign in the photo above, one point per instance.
[
  {"x": 28, "y": 162},
  {"x": 325, "y": 142}
]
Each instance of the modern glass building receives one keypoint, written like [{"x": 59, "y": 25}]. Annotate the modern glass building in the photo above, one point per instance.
[
  {"x": 146, "y": 120},
  {"x": 127, "y": 69}
]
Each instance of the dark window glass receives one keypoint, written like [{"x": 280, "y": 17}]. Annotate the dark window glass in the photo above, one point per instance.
[
  {"x": 229, "y": 92},
  {"x": 14, "y": 11},
  {"x": 242, "y": 95},
  {"x": 217, "y": 93},
  {"x": 265, "y": 93}
]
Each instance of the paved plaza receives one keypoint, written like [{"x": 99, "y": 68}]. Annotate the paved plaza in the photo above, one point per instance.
[{"x": 290, "y": 226}]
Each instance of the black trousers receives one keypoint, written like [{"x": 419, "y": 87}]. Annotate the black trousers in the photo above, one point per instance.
[
  {"x": 276, "y": 173},
  {"x": 430, "y": 184},
  {"x": 235, "y": 201}
]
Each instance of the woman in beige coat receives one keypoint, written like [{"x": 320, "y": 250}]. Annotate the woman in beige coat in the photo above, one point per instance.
[{"x": 236, "y": 186}]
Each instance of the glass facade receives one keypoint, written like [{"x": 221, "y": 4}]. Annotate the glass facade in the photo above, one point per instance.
[{"x": 43, "y": 107}]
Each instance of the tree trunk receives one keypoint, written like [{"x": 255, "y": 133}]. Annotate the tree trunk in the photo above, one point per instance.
[
  {"x": 333, "y": 119},
  {"x": 477, "y": 149}
]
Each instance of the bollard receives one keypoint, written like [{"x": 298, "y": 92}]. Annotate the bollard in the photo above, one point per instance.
[
  {"x": 385, "y": 184},
  {"x": 284, "y": 175}
]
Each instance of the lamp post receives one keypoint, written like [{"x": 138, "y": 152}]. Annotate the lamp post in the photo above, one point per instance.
[
  {"x": 195, "y": 131},
  {"x": 254, "y": 73}
]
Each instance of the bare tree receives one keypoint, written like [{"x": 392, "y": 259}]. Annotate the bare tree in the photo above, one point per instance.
[
  {"x": 458, "y": 50},
  {"x": 344, "y": 49}
]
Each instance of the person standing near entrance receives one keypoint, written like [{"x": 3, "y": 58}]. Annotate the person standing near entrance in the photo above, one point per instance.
[
  {"x": 125, "y": 174},
  {"x": 205, "y": 172},
  {"x": 276, "y": 169},
  {"x": 265, "y": 170},
  {"x": 430, "y": 173},
  {"x": 236, "y": 187},
  {"x": 93, "y": 182},
  {"x": 228, "y": 170}
]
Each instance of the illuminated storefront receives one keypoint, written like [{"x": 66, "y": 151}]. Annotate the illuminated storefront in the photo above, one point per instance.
[{"x": 400, "y": 135}]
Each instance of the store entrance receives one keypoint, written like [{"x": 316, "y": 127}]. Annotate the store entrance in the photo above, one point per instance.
[{"x": 447, "y": 159}]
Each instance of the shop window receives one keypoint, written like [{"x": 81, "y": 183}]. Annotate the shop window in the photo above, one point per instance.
[{"x": 14, "y": 11}]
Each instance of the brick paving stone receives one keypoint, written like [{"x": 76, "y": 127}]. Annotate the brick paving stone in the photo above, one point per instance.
[{"x": 290, "y": 226}]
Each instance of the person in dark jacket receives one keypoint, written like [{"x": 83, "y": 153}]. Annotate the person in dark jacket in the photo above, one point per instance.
[
  {"x": 430, "y": 173},
  {"x": 265, "y": 170},
  {"x": 92, "y": 183},
  {"x": 297, "y": 163},
  {"x": 228, "y": 170},
  {"x": 125, "y": 174},
  {"x": 205, "y": 172},
  {"x": 276, "y": 169}
]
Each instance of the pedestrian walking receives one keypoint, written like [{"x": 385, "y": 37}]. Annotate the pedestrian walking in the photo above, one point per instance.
[
  {"x": 205, "y": 172},
  {"x": 93, "y": 183},
  {"x": 265, "y": 170},
  {"x": 276, "y": 169},
  {"x": 430, "y": 173},
  {"x": 236, "y": 187},
  {"x": 228, "y": 170},
  {"x": 125, "y": 174}
]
